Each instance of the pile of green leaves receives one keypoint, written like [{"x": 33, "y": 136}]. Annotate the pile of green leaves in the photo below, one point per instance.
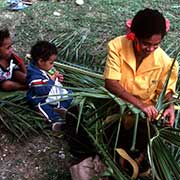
[{"x": 96, "y": 105}]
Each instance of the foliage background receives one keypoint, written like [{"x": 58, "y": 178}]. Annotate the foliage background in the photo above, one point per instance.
[{"x": 92, "y": 25}]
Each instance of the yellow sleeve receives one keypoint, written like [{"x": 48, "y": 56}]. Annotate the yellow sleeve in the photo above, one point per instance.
[
  {"x": 172, "y": 80},
  {"x": 113, "y": 62}
]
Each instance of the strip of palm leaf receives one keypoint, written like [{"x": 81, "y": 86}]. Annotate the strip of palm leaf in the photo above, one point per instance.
[{"x": 17, "y": 116}]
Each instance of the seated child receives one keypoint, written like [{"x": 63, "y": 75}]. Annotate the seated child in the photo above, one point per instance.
[
  {"x": 12, "y": 67},
  {"x": 45, "y": 89}
]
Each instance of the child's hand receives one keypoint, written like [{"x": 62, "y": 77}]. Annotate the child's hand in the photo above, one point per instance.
[
  {"x": 54, "y": 76},
  {"x": 60, "y": 77}
]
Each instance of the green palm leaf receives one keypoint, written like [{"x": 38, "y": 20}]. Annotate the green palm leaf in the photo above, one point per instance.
[
  {"x": 160, "y": 101},
  {"x": 166, "y": 167},
  {"x": 17, "y": 117}
]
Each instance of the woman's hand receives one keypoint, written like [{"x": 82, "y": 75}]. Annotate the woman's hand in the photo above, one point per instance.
[
  {"x": 149, "y": 110},
  {"x": 169, "y": 113}
]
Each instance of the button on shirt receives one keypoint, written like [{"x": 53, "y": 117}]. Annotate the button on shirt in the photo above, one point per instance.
[{"x": 147, "y": 81}]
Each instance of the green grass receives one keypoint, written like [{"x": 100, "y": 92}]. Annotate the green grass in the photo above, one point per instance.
[{"x": 96, "y": 22}]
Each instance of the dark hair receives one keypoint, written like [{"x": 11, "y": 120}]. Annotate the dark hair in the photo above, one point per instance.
[
  {"x": 42, "y": 49},
  {"x": 148, "y": 22},
  {"x": 4, "y": 33}
]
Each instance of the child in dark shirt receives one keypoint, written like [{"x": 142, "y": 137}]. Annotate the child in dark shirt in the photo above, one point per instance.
[{"x": 12, "y": 67}]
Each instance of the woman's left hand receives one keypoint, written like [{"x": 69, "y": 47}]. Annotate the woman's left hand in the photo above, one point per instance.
[{"x": 170, "y": 114}]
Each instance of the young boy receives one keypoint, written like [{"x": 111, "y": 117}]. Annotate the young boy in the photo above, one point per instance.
[
  {"x": 45, "y": 89},
  {"x": 12, "y": 67}
]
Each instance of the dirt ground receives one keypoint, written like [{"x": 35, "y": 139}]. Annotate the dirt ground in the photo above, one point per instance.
[{"x": 37, "y": 158}]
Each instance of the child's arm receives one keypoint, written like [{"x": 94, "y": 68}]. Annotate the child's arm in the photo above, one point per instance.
[
  {"x": 9, "y": 85},
  {"x": 21, "y": 64},
  {"x": 22, "y": 67},
  {"x": 12, "y": 79},
  {"x": 41, "y": 87}
]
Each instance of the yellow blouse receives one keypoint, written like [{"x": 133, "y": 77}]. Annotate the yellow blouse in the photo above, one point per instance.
[{"x": 147, "y": 81}]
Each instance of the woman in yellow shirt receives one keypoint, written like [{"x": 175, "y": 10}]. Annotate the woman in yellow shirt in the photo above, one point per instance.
[
  {"x": 136, "y": 70},
  {"x": 137, "y": 67}
]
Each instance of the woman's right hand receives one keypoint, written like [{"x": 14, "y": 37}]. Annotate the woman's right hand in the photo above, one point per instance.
[{"x": 149, "y": 110}]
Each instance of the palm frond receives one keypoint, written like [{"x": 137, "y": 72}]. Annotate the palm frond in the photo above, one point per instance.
[
  {"x": 73, "y": 51},
  {"x": 17, "y": 116},
  {"x": 160, "y": 101},
  {"x": 165, "y": 165}
]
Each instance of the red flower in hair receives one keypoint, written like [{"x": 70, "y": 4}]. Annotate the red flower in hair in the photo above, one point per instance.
[
  {"x": 167, "y": 25},
  {"x": 130, "y": 36}
]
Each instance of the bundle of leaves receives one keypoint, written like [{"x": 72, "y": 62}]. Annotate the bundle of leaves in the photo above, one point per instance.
[{"x": 97, "y": 105}]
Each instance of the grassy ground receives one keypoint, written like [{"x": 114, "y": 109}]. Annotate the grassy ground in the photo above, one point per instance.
[
  {"x": 91, "y": 25},
  {"x": 95, "y": 22}
]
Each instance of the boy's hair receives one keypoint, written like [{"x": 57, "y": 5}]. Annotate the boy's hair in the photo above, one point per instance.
[
  {"x": 4, "y": 33},
  {"x": 43, "y": 50},
  {"x": 148, "y": 22}
]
